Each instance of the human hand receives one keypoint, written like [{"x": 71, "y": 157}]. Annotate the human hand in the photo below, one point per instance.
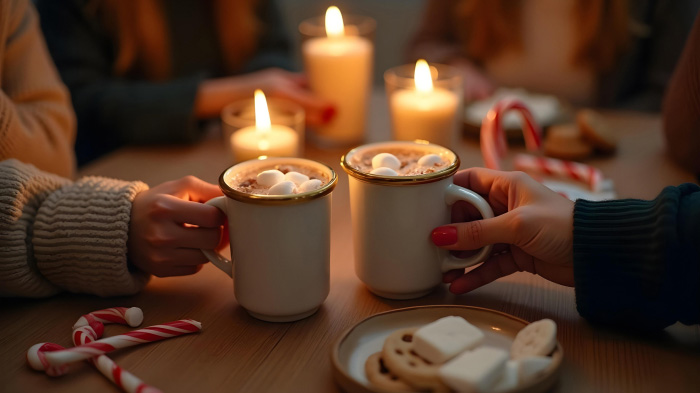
[
  {"x": 532, "y": 230},
  {"x": 214, "y": 94},
  {"x": 477, "y": 85},
  {"x": 169, "y": 226}
]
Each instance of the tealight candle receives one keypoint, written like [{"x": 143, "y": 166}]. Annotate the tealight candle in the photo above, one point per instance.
[
  {"x": 339, "y": 68},
  {"x": 425, "y": 111},
  {"x": 264, "y": 138}
]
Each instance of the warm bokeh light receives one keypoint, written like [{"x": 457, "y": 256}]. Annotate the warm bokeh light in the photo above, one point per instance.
[
  {"x": 262, "y": 115},
  {"x": 334, "y": 22},
  {"x": 422, "y": 77}
]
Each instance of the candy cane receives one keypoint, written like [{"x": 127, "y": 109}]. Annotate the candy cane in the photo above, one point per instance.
[
  {"x": 122, "y": 315},
  {"x": 109, "y": 344},
  {"x": 36, "y": 357},
  {"x": 493, "y": 137},
  {"x": 567, "y": 169},
  {"x": 120, "y": 377}
]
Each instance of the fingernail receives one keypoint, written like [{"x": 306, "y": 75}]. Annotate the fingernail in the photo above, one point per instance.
[
  {"x": 444, "y": 236},
  {"x": 328, "y": 114}
]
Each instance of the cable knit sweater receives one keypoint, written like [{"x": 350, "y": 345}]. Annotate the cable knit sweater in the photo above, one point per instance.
[
  {"x": 37, "y": 123},
  {"x": 60, "y": 235}
]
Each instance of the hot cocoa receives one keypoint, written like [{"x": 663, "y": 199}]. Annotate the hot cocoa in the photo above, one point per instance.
[
  {"x": 399, "y": 161},
  {"x": 280, "y": 179}
]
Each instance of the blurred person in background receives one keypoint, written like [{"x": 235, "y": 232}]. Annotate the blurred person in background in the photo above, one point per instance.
[
  {"x": 148, "y": 71},
  {"x": 603, "y": 53}
]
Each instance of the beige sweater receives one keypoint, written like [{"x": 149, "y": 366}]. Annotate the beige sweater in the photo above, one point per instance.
[
  {"x": 60, "y": 235},
  {"x": 37, "y": 123}
]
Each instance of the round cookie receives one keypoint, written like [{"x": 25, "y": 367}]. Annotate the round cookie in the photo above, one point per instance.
[
  {"x": 564, "y": 141},
  {"x": 536, "y": 339},
  {"x": 381, "y": 377},
  {"x": 596, "y": 131},
  {"x": 402, "y": 360}
]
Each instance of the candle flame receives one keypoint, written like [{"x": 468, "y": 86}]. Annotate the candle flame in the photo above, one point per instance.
[
  {"x": 334, "y": 22},
  {"x": 262, "y": 115},
  {"x": 422, "y": 77}
]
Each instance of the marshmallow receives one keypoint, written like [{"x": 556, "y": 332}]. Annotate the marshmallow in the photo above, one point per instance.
[
  {"x": 384, "y": 171},
  {"x": 309, "y": 185},
  {"x": 536, "y": 339},
  {"x": 296, "y": 177},
  {"x": 282, "y": 188},
  {"x": 509, "y": 378},
  {"x": 532, "y": 366},
  {"x": 445, "y": 338},
  {"x": 270, "y": 178},
  {"x": 475, "y": 371},
  {"x": 429, "y": 160},
  {"x": 386, "y": 160}
]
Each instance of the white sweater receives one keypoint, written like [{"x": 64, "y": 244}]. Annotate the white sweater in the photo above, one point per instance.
[{"x": 58, "y": 235}]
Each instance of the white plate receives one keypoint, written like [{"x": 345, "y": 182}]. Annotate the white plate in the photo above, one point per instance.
[{"x": 352, "y": 349}]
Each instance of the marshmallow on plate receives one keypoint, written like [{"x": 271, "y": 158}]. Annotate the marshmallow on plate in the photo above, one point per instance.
[
  {"x": 386, "y": 160},
  {"x": 296, "y": 177},
  {"x": 443, "y": 339},
  {"x": 383, "y": 171},
  {"x": 531, "y": 366},
  {"x": 429, "y": 160},
  {"x": 282, "y": 188},
  {"x": 270, "y": 177},
  {"x": 475, "y": 371},
  {"x": 509, "y": 378},
  {"x": 309, "y": 185}
]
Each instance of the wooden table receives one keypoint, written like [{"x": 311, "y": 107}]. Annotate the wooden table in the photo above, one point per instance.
[{"x": 236, "y": 353}]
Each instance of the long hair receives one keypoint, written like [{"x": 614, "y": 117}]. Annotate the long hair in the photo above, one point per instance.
[
  {"x": 488, "y": 27},
  {"x": 140, "y": 33}
]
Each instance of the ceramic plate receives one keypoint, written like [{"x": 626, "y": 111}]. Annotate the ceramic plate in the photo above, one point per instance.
[{"x": 352, "y": 349}]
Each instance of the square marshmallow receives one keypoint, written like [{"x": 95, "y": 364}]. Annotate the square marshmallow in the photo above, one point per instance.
[
  {"x": 443, "y": 339},
  {"x": 475, "y": 371},
  {"x": 509, "y": 378}
]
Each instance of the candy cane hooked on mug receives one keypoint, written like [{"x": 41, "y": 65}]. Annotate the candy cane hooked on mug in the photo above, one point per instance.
[
  {"x": 132, "y": 316},
  {"x": 493, "y": 137},
  {"x": 109, "y": 344},
  {"x": 120, "y": 377}
]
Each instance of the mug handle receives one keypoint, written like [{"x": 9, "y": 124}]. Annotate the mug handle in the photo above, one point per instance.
[
  {"x": 217, "y": 259},
  {"x": 456, "y": 193}
]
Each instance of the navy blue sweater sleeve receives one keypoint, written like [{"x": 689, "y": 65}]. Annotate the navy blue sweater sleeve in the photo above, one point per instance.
[
  {"x": 637, "y": 263},
  {"x": 113, "y": 111}
]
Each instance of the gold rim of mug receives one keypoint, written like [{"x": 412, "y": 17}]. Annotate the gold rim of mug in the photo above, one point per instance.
[
  {"x": 279, "y": 199},
  {"x": 399, "y": 180}
]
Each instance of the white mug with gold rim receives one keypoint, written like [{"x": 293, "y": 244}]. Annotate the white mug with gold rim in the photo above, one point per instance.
[{"x": 393, "y": 217}]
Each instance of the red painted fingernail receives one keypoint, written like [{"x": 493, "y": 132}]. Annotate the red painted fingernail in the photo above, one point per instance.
[
  {"x": 328, "y": 114},
  {"x": 444, "y": 236}
]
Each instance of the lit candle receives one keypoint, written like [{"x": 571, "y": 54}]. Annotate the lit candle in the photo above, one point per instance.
[
  {"x": 263, "y": 139},
  {"x": 426, "y": 112},
  {"x": 339, "y": 68}
]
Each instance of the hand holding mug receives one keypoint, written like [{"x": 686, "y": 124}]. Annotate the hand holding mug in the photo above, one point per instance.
[{"x": 533, "y": 229}]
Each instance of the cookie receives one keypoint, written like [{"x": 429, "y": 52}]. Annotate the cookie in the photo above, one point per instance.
[
  {"x": 564, "y": 141},
  {"x": 400, "y": 357},
  {"x": 380, "y": 376},
  {"x": 596, "y": 131},
  {"x": 536, "y": 339}
]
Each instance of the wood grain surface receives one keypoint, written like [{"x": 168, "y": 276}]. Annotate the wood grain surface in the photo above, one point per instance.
[{"x": 237, "y": 353}]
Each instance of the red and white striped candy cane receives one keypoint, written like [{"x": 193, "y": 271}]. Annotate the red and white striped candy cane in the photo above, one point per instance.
[
  {"x": 587, "y": 174},
  {"x": 109, "y": 344},
  {"x": 132, "y": 316},
  {"x": 36, "y": 358},
  {"x": 493, "y": 137},
  {"x": 120, "y": 377}
]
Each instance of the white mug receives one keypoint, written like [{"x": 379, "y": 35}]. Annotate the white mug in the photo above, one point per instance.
[
  {"x": 393, "y": 218},
  {"x": 280, "y": 244}
]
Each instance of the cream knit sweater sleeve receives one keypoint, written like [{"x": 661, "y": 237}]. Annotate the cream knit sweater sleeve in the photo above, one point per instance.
[
  {"x": 60, "y": 235},
  {"x": 37, "y": 123}
]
